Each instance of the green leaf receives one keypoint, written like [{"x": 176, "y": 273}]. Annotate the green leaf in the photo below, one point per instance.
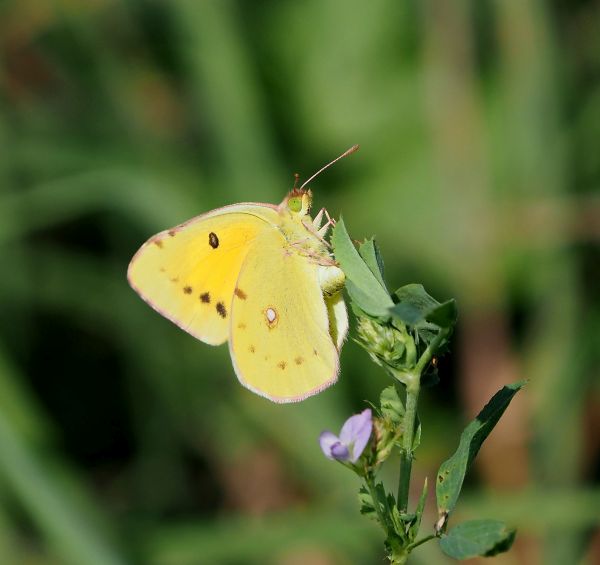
[
  {"x": 452, "y": 472},
  {"x": 391, "y": 405},
  {"x": 444, "y": 315},
  {"x": 415, "y": 307},
  {"x": 477, "y": 538},
  {"x": 367, "y": 303},
  {"x": 417, "y": 436},
  {"x": 367, "y": 506},
  {"x": 363, "y": 286},
  {"x": 414, "y": 529},
  {"x": 400, "y": 521},
  {"x": 369, "y": 251}
]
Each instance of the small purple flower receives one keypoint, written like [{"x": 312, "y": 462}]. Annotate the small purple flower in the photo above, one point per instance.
[{"x": 352, "y": 441}]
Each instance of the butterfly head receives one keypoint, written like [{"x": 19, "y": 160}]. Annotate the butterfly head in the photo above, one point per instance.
[{"x": 298, "y": 201}]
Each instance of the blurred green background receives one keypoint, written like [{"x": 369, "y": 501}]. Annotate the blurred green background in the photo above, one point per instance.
[{"x": 124, "y": 440}]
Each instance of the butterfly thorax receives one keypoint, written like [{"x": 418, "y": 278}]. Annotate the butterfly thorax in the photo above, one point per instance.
[
  {"x": 297, "y": 226},
  {"x": 304, "y": 237}
]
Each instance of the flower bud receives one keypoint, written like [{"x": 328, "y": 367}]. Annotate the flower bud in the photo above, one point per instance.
[{"x": 384, "y": 343}]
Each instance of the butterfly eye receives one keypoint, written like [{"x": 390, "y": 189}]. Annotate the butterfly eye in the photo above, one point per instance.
[{"x": 295, "y": 204}]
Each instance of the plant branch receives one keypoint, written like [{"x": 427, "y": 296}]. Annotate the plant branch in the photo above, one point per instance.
[
  {"x": 413, "y": 386},
  {"x": 412, "y": 397},
  {"x": 421, "y": 541}
]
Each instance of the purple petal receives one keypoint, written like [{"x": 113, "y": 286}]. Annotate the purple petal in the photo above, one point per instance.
[
  {"x": 340, "y": 451},
  {"x": 356, "y": 433},
  {"x": 327, "y": 441}
]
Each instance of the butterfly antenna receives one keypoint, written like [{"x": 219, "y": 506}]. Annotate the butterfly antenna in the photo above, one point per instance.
[{"x": 352, "y": 149}]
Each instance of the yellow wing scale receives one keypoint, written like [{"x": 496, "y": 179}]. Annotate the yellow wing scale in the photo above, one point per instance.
[
  {"x": 188, "y": 273},
  {"x": 250, "y": 273},
  {"x": 280, "y": 340}
]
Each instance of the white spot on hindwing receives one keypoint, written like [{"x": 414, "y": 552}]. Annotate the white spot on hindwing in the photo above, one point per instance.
[{"x": 271, "y": 316}]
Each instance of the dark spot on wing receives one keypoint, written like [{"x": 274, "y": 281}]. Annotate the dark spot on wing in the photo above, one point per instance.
[
  {"x": 251, "y": 349},
  {"x": 213, "y": 240},
  {"x": 282, "y": 365},
  {"x": 221, "y": 309},
  {"x": 315, "y": 352},
  {"x": 175, "y": 279},
  {"x": 298, "y": 360},
  {"x": 205, "y": 297},
  {"x": 241, "y": 326},
  {"x": 158, "y": 243},
  {"x": 187, "y": 289},
  {"x": 240, "y": 294},
  {"x": 172, "y": 233},
  {"x": 162, "y": 270}
]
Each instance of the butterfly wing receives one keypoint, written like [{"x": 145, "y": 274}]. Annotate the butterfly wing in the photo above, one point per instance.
[
  {"x": 281, "y": 344},
  {"x": 188, "y": 273}
]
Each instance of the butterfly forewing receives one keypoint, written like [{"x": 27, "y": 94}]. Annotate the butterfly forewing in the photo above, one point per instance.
[{"x": 188, "y": 273}]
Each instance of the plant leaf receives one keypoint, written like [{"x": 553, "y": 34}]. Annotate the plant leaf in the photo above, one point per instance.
[
  {"x": 415, "y": 307},
  {"x": 369, "y": 251},
  {"x": 452, "y": 472},
  {"x": 367, "y": 506},
  {"x": 417, "y": 436},
  {"x": 363, "y": 286},
  {"x": 414, "y": 529},
  {"x": 477, "y": 538},
  {"x": 398, "y": 523},
  {"x": 391, "y": 405},
  {"x": 368, "y": 304}
]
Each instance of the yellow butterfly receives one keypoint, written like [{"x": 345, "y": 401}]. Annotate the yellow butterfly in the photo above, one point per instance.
[{"x": 260, "y": 276}]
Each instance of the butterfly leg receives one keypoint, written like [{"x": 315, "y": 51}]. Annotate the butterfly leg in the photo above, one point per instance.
[
  {"x": 317, "y": 257},
  {"x": 322, "y": 231},
  {"x": 318, "y": 220}
]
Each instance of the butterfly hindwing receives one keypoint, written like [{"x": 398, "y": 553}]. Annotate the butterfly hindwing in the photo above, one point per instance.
[
  {"x": 188, "y": 273},
  {"x": 280, "y": 341}
]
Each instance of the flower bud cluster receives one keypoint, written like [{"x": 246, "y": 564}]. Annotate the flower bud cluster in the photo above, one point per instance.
[
  {"x": 387, "y": 435},
  {"x": 385, "y": 343}
]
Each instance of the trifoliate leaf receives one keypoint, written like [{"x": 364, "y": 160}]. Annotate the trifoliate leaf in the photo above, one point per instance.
[{"x": 477, "y": 538}]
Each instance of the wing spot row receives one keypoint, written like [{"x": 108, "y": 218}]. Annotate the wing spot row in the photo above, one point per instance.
[
  {"x": 221, "y": 310},
  {"x": 205, "y": 297},
  {"x": 187, "y": 289}
]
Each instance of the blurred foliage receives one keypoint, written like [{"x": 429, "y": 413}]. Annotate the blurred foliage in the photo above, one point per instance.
[{"x": 122, "y": 439}]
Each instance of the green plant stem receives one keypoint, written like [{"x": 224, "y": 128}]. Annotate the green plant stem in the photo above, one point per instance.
[
  {"x": 406, "y": 455},
  {"x": 413, "y": 386},
  {"x": 421, "y": 541},
  {"x": 428, "y": 354}
]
